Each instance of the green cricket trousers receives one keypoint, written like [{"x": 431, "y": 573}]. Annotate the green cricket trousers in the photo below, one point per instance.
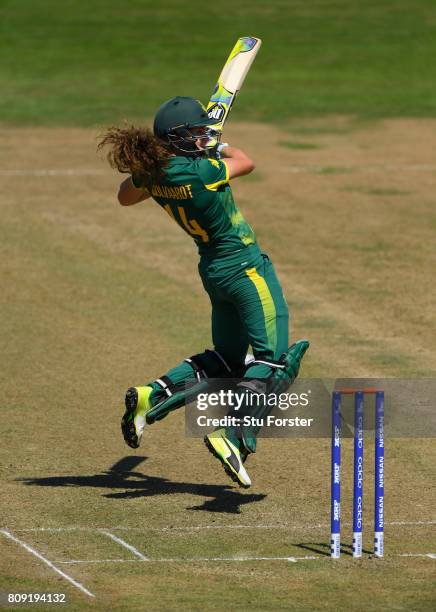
[{"x": 248, "y": 307}]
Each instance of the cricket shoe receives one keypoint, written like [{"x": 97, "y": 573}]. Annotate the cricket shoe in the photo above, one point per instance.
[
  {"x": 138, "y": 403},
  {"x": 230, "y": 456}
]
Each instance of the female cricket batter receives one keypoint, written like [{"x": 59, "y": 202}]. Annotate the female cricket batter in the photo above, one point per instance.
[{"x": 177, "y": 167}]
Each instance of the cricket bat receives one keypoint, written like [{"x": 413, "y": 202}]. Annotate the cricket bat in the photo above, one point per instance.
[{"x": 231, "y": 79}]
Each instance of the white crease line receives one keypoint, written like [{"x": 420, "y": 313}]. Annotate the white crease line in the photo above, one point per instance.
[
  {"x": 124, "y": 544},
  {"x": 191, "y": 560},
  {"x": 206, "y": 527},
  {"x": 164, "y": 529},
  {"x": 410, "y": 523},
  {"x": 429, "y": 555},
  {"x": 57, "y": 529},
  {"x": 54, "y": 172},
  {"x": 74, "y": 561},
  {"x": 47, "y": 562},
  {"x": 216, "y": 559}
]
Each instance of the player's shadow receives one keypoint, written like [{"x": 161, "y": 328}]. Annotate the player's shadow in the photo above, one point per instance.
[
  {"x": 322, "y": 548},
  {"x": 122, "y": 475}
]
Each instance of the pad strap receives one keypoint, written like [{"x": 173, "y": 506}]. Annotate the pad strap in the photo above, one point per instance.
[
  {"x": 198, "y": 371},
  {"x": 167, "y": 385},
  {"x": 271, "y": 363}
]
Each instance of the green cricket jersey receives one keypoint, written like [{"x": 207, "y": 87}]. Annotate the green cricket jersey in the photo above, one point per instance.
[{"x": 197, "y": 195}]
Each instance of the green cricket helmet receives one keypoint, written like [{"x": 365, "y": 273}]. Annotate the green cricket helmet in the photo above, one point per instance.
[{"x": 177, "y": 122}]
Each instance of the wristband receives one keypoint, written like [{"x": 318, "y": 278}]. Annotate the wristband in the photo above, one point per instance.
[{"x": 221, "y": 146}]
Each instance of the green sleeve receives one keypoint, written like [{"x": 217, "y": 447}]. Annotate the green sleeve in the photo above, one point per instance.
[{"x": 213, "y": 173}]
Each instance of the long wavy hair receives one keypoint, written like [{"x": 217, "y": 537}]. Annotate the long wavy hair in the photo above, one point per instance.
[{"x": 136, "y": 151}]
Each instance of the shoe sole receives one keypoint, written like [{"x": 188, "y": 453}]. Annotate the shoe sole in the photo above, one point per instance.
[
  {"x": 127, "y": 424},
  {"x": 227, "y": 470}
]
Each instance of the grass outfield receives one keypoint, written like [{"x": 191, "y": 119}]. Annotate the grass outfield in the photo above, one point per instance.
[
  {"x": 86, "y": 63},
  {"x": 96, "y": 297}
]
